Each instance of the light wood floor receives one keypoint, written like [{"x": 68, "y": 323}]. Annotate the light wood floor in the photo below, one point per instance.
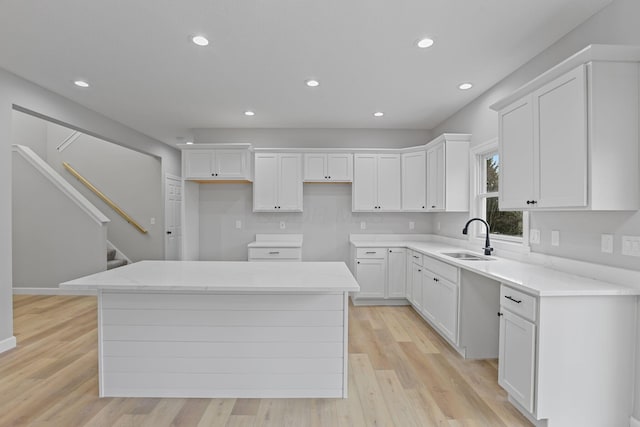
[{"x": 401, "y": 373}]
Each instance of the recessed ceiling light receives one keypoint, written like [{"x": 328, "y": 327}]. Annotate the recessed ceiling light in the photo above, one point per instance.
[
  {"x": 378, "y": 114},
  {"x": 189, "y": 142},
  {"x": 249, "y": 113},
  {"x": 312, "y": 83},
  {"x": 81, "y": 83},
  {"x": 200, "y": 40},
  {"x": 465, "y": 86},
  {"x": 425, "y": 43}
]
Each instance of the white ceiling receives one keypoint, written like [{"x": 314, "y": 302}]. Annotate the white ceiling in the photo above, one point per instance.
[{"x": 144, "y": 71}]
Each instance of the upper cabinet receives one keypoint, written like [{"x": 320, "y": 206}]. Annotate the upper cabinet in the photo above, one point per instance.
[
  {"x": 328, "y": 167},
  {"x": 414, "y": 181},
  {"x": 277, "y": 185},
  {"x": 448, "y": 173},
  {"x": 216, "y": 164},
  {"x": 569, "y": 139},
  {"x": 376, "y": 182}
]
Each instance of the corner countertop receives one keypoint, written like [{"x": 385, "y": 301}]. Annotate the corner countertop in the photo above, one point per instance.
[
  {"x": 533, "y": 279},
  {"x": 222, "y": 276}
]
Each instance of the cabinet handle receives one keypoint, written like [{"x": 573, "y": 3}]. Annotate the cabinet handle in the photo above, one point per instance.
[
  {"x": 532, "y": 202},
  {"x": 433, "y": 206},
  {"x": 500, "y": 314},
  {"x": 423, "y": 207},
  {"x": 358, "y": 262},
  {"x": 513, "y": 299},
  {"x": 274, "y": 253},
  {"x": 416, "y": 256},
  {"x": 213, "y": 174},
  {"x": 419, "y": 270},
  {"x": 370, "y": 252},
  {"x": 390, "y": 251},
  {"x": 329, "y": 176}
]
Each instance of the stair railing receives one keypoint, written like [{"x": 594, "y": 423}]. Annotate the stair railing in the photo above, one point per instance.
[{"x": 104, "y": 198}]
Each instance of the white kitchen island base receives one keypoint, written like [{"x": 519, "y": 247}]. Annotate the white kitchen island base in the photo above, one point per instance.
[{"x": 265, "y": 338}]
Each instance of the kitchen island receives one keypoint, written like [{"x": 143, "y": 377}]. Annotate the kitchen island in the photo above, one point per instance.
[{"x": 222, "y": 329}]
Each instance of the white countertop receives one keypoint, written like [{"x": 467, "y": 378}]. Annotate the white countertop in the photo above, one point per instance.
[
  {"x": 530, "y": 278},
  {"x": 277, "y": 241},
  {"x": 222, "y": 277}
]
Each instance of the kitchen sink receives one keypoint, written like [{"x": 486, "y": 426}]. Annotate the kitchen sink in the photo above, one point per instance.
[{"x": 467, "y": 256}]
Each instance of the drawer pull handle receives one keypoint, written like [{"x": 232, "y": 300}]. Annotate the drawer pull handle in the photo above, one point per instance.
[
  {"x": 513, "y": 299},
  {"x": 500, "y": 314},
  {"x": 416, "y": 256},
  {"x": 370, "y": 252},
  {"x": 274, "y": 253}
]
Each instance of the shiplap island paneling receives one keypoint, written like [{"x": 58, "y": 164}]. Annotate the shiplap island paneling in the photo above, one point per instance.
[{"x": 222, "y": 329}]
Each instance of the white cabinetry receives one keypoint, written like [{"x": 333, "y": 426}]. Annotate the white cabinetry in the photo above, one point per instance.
[
  {"x": 376, "y": 182},
  {"x": 328, "y": 167},
  {"x": 216, "y": 164},
  {"x": 396, "y": 272},
  {"x": 448, "y": 173},
  {"x": 276, "y": 247},
  {"x": 558, "y": 356},
  {"x": 414, "y": 181},
  {"x": 381, "y": 274},
  {"x": 440, "y": 290},
  {"x": 277, "y": 185},
  {"x": 571, "y": 142}
]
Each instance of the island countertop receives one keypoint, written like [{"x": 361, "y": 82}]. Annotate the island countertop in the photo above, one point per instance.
[{"x": 222, "y": 276}]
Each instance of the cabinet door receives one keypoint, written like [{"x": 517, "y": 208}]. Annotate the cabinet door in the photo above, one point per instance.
[
  {"x": 409, "y": 275},
  {"x": 340, "y": 167},
  {"x": 230, "y": 164},
  {"x": 396, "y": 275},
  {"x": 435, "y": 178},
  {"x": 265, "y": 182},
  {"x": 364, "y": 187},
  {"x": 448, "y": 309},
  {"x": 416, "y": 282},
  {"x": 198, "y": 164},
  {"x": 414, "y": 181},
  {"x": 430, "y": 296},
  {"x": 517, "y": 156},
  {"x": 371, "y": 275},
  {"x": 315, "y": 167},
  {"x": 516, "y": 358},
  {"x": 289, "y": 182},
  {"x": 389, "y": 182},
  {"x": 560, "y": 130}
]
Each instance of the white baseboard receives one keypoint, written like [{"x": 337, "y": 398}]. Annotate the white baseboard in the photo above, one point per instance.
[
  {"x": 7, "y": 344},
  {"x": 51, "y": 291},
  {"x": 634, "y": 422}
]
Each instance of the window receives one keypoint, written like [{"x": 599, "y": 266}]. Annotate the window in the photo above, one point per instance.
[{"x": 506, "y": 226}]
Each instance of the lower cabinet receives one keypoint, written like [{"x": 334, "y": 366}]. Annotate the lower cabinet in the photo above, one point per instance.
[
  {"x": 440, "y": 291},
  {"x": 416, "y": 284},
  {"x": 381, "y": 274},
  {"x": 566, "y": 359}
]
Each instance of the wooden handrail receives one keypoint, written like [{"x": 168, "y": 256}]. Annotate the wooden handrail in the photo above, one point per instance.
[{"x": 104, "y": 198}]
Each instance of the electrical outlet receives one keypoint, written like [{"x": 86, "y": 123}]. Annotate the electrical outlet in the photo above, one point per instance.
[
  {"x": 363, "y": 225},
  {"x": 152, "y": 221},
  {"x": 238, "y": 224},
  {"x": 631, "y": 245},
  {"x": 282, "y": 225},
  {"x": 555, "y": 238},
  {"x": 534, "y": 236},
  {"x": 412, "y": 225},
  {"x": 606, "y": 243}
]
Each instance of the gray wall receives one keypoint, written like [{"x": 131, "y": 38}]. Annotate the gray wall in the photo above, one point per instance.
[
  {"x": 15, "y": 91},
  {"x": 326, "y": 222},
  {"x": 320, "y": 138},
  {"x": 54, "y": 240},
  {"x": 579, "y": 232}
]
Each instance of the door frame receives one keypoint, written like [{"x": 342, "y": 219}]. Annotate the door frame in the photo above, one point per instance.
[{"x": 167, "y": 177}]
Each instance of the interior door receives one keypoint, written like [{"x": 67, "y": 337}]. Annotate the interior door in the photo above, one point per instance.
[{"x": 173, "y": 218}]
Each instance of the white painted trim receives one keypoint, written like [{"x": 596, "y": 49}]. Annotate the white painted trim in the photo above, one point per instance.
[
  {"x": 216, "y": 146},
  {"x": 51, "y": 291},
  {"x": 68, "y": 141},
  {"x": 7, "y": 344},
  {"x": 59, "y": 182},
  {"x": 634, "y": 422}
]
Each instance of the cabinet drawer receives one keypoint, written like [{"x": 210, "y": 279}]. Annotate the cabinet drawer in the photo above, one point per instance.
[
  {"x": 518, "y": 302},
  {"x": 285, "y": 254},
  {"x": 416, "y": 258},
  {"x": 371, "y": 252},
  {"x": 442, "y": 269}
]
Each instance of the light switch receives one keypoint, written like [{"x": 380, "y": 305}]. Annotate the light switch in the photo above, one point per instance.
[
  {"x": 534, "y": 236},
  {"x": 606, "y": 243},
  {"x": 631, "y": 245},
  {"x": 363, "y": 225},
  {"x": 412, "y": 225},
  {"x": 238, "y": 224},
  {"x": 555, "y": 238},
  {"x": 152, "y": 221},
  {"x": 282, "y": 225}
]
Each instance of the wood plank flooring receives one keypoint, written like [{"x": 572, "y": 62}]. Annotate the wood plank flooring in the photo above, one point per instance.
[{"x": 401, "y": 373}]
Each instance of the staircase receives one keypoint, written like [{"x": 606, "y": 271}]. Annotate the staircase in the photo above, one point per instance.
[{"x": 112, "y": 261}]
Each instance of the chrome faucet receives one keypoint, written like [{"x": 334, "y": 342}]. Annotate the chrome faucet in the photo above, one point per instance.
[{"x": 487, "y": 245}]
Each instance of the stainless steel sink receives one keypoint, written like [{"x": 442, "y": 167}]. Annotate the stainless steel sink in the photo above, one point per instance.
[{"x": 467, "y": 256}]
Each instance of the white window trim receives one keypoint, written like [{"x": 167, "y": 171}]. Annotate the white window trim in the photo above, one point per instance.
[{"x": 498, "y": 242}]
